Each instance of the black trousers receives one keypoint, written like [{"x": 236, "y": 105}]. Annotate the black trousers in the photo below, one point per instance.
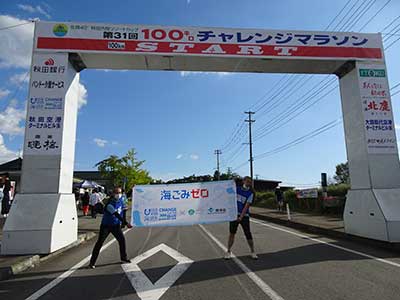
[
  {"x": 5, "y": 204},
  {"x": 105, "y": 230},
  {"x": 245, "y": 223},
  {"x": 93, "y": 211}
]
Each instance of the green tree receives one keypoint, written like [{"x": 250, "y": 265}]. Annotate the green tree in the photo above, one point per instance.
[
  {"x": 124, "y": 171},
  {"x": 229, "y": 175},
  {"x": 342, "y": 173}
]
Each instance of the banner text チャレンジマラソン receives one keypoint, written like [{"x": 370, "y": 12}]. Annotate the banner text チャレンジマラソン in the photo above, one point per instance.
[{"x": 139, "y": 39}]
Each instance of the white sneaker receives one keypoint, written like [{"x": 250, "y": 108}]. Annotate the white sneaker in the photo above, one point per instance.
[
  {"x": 228, "y": 255},
  {"x": 254, "y": 255}
]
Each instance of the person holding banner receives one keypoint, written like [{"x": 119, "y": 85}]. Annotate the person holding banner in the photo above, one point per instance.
[
  {"x": 245, "y": 197},
  {"x": 112, "y": 222}
]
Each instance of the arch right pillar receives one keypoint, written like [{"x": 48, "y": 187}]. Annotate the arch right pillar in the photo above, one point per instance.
[{"x": 372, "y": 207}]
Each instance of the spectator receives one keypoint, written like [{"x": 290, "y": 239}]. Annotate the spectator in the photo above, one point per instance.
[
  {"x": 94, "y": 199},
  {"x": 279, "y": 198},
  {"x": 5, "y": 203},
  {"x": 85, "y": 203}
]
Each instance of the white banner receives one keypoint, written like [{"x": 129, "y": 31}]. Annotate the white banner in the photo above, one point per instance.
[
  {"x": 307, "y": 193},
  {"x": 205, "y": 41},
  {"x": 184, "y": 204},
  {"x": 377, "y": 106}
]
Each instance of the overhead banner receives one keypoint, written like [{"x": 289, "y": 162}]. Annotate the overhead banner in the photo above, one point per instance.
[
  {"x": 377, "y": 109},
  {"x": 226, "y": 42},
  {"x": 184, "y": 204}
]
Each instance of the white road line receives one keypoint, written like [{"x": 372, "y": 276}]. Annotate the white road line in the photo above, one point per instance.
[
  {"x": 39, "y": 293},
  {"x": 382, "y": 260},
  {"x": 147, "y": 290},
  {"x": 257, "y": 280}
]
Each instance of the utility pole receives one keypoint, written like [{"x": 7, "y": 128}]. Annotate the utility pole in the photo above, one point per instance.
[
  {"x": 250, "y": 121},
  {"x": 218, "y": 153}
]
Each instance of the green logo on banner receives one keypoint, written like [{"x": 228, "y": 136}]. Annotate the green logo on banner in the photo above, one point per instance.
[
  {"x": 60, "y": 29},
  {"x": 372, "y": 73}
]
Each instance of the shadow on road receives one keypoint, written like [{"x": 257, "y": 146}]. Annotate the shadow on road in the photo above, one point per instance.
[{"x": 97, "y": 282}]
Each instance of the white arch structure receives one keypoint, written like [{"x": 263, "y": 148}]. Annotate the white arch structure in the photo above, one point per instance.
[{"x": 43, "y": 217}]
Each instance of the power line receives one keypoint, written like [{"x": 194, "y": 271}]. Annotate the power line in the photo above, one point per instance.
[
  {"x": 17, "y": 25},
  {"x": 301, "y": 139},
  {"x": 352, "y": 17},
  {"x": 366, "y": 8},
  {"x": 391, "y": 44},
  {"x": 395, "y": 86},
  {"x": 377, "y": 12},
  {"x": 305, "y": 96},
  {"x": 360, "y": 11},
  {"x": 345, "y": 16},
  {"x": 394, "y": 20},
  {"x": 326, "y": 85},
  {"x": 296, "y": 141},
  {"x": 291, "y": 77},
  {"x": 338, "y": 14},
  {"x": 235, "y": 155},
  {"x": 291, "y": 114}
]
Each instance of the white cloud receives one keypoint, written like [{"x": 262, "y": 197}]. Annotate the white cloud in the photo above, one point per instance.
[
  {"x": 100, "y": 142},
  {"x": 16, "y": 43},
  {"x": 82, "y": 95},
  {"x": 397, "y": 126},
  {"x": 196, "y": 73},
  {"x": 4, "y": 93},
  {"x": 5, "y": 153},
  {"x": 114, "y": 143},
  {"x": 179, "y": 156},
  {"x": 34, "y": 9},
  {"x": 10, "y": 120},
  {"x": 19, "y": 78},
  {"x": 194, "y": 156}
]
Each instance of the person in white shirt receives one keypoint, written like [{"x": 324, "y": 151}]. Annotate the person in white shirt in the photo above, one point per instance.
[{"x": 94, "y": 199}]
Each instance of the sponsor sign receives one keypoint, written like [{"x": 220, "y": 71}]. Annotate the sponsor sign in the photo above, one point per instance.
[
  {"x": 200, "y": 41},
  {"x": 377, "y": 109},
  {"x": 184, "y": 204},
  {"x": 307, "y": 193},
  {"x": 45, "y": 108}
]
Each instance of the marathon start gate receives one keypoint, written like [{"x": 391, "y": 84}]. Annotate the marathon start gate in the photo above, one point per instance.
[{"x": 43, "y": 217}]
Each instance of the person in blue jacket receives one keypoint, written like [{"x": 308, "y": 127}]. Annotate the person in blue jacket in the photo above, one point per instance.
[
  {"x": 245, "y": 197},
  {"x": 113, "y": 220}
]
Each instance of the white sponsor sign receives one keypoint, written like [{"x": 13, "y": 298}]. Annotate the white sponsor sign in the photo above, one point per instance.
[
  {"x": 184, "y": 204},
  {"x": 307, "y": 193},
  {"x": 45, "y": 110},
  {"x": 377, "y": 107}
]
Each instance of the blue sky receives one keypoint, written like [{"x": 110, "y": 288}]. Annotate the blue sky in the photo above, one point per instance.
[{"x": 175, "y": 120}]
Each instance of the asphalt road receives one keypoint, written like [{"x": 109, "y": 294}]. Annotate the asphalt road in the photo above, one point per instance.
[{"x": 185, "y": 263}]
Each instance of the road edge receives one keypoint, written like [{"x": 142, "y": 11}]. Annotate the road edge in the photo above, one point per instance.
[
  {"x": 35, "y": 260},
  {"x": 308, "y": 228}
]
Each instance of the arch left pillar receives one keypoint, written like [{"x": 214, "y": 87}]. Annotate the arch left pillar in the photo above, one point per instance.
[{"x": 43, "y": 216}]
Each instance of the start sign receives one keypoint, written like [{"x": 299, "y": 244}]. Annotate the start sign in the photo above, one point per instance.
[{"x": 132, "y": 39}]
